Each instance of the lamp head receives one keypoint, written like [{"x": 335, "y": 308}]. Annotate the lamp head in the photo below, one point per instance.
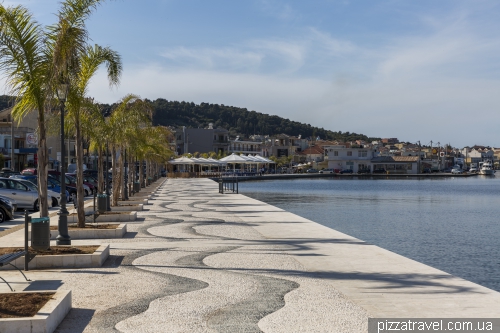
[{"x": 62, "y": 91}]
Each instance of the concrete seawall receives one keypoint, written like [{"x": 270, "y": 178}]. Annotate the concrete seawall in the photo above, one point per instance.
[{"x": 346, "y": 176}]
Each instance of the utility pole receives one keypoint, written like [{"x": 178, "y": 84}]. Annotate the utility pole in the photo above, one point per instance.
[{"x": 419, "y": 157}]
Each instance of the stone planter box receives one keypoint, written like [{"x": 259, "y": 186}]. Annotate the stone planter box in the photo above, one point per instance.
[
  {"x": 141, "y": 196},
  {"x": 123, "y": 217},
  {"x": 131, "y": 208},
  {"x": 46, "y": 320},
  {"x": 133, "y": 201},
  {"x": 89, "y": 233},
  {"x": 95, "y": 259}
]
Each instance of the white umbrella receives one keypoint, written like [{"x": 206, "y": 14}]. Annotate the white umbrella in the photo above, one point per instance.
[
  {"x": 214, "y": 162},
  {"x": 233, "y": 159},
  {"x": 182, "y": 161}
]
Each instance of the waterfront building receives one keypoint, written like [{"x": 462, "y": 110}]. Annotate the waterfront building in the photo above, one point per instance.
[
  {"x": 396, "y": 164},
  {"x": 346, "y": 156},
  {"x": 25, "y": 143},
  {"x": 201, "y": 140},
  {"x": 239, "y": 146}
]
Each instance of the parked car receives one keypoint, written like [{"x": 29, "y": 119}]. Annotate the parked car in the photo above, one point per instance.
[
  {"x": 456, "y": 171},
  {"x": 69, "y": 181},
  {"x": 366, "y": 170},
  {"x": 72, "y": 168},
  {"x": 7, "y": 208},
  {"x": 326, "y": 171},
  {"x": 426, "y": 170},
  {"x": 379, "y": 170},
  {"x": 52, "y": 196},
  {"x": 312, "y": 170},
  {"x": 91, "y": 186},
  {"x": 55, "y": 184},
  {"x": 25, "y": 196},
  {"x": 29, "y": 172},
  {"x": 6, "y": 172},
  {"x": 51, "y": 186},
  {"x": 346, "y": 171}
]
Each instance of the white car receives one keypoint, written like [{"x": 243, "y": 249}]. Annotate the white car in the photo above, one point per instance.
[
  {"x": 456, "y": 171},
  {"x": 327, "y": 171}
]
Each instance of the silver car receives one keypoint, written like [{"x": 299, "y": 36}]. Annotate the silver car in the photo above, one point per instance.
[
  {"x": 24, "y": 196},
  {"x": 53, "y": 197}
]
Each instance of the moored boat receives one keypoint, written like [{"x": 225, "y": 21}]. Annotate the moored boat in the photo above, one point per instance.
[{"x": 486, "y": 168}]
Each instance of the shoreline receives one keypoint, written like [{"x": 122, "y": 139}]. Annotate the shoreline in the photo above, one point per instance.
[{"x": 348, "y": 176}]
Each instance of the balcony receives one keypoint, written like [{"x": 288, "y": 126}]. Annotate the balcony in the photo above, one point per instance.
[{"x": 244, "y": 150}]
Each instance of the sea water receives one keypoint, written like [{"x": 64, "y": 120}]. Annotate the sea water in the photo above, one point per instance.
[{"x": 452, "y": 224}]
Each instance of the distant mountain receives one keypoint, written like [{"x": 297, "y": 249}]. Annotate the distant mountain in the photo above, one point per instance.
[{"x": 239, "y": 121}]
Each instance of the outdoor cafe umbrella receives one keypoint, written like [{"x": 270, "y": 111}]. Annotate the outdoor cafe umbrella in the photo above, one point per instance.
[
  {"x": 182, "y": 161},
  {"x": 233, "y": 159}
]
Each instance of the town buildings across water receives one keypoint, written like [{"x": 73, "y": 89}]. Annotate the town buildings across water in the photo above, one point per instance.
[{"x": 385, "y": 155}]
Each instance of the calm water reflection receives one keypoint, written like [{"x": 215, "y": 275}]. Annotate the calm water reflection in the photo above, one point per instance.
[{"x": 450, "y": 223}]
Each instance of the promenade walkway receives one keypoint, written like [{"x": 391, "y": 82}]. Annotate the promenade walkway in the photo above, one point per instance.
[{"x": 200, "y": 261}]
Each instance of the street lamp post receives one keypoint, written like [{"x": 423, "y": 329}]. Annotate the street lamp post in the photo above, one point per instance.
[{"x": 62, "y": 223}]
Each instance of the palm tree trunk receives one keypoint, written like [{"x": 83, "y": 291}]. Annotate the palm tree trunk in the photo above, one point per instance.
[
  {"x": 114, "y": 176},
  {"x": 130, "y": 173},
  {"x": 43, "y": 161},
  {"x": 122, "y": 172},
  {"x": 141, "y": 174},
  {"x": 79, "y": 173},
  {"x": 100, "y": 173}
]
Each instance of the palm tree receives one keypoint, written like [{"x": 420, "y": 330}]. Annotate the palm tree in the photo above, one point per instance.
[
  {"x": 97, "y": 129},
  {"x": 80, "y": 106},
  {"x": 36, "y": 60},
  {"x": 26, "y": 64},
  {"x": 129, "y": 116}
]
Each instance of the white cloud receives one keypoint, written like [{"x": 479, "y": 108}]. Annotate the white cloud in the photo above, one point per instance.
[{"x": 211, "y": 58}]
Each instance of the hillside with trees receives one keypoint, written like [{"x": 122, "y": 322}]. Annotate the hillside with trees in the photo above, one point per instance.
[{"x": 239, "y": 121}]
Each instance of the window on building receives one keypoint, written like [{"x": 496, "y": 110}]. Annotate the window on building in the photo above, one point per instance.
[
  {"x": 335, "y": 153},
  {"x": 362, "y": 153},
  {"x": 349, "y": 153}
]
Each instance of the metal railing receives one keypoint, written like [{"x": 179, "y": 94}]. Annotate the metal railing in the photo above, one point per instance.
[{"x": 229, "y": 184}]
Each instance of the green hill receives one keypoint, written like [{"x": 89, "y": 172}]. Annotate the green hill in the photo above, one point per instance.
[{"x": 239, "y": 121}]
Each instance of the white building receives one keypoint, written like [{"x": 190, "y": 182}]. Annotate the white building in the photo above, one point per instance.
[
  {"x": 347, "y": 156},
  {"x": 238, "y": 146}
]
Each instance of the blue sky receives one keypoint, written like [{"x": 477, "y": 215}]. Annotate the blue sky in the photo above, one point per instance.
[{"x": 416, "y": 70}]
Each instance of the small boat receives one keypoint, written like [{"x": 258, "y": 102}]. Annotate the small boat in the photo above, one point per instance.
[{"x": 486, "y": 168}]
